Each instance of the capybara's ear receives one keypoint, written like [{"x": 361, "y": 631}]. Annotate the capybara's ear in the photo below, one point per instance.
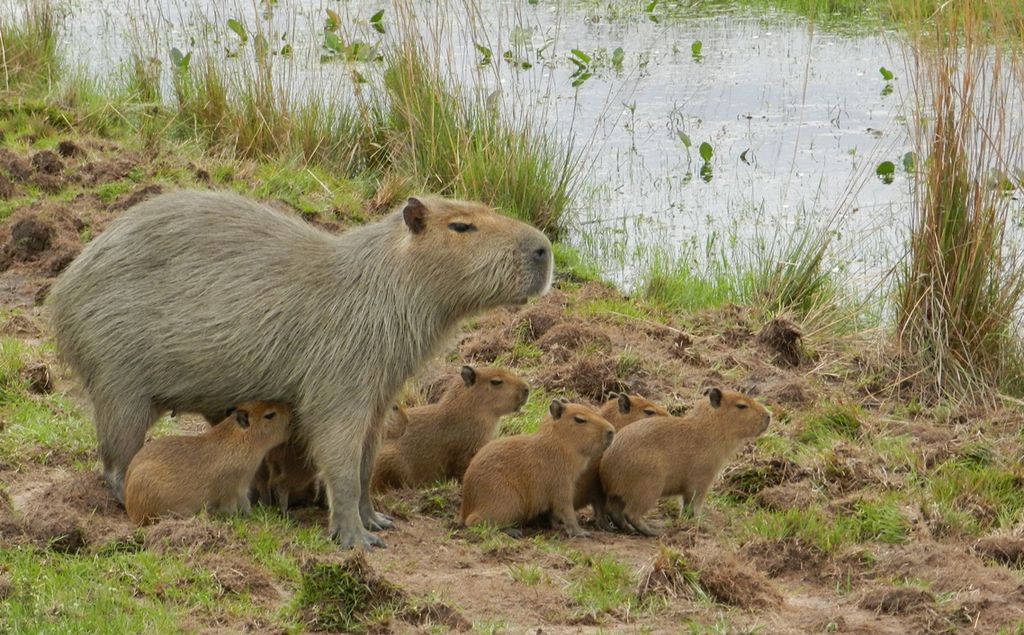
[
  {"x": 556, "y": 409},
  {"x": 468, "y": 375},
  {"x": 242, "y": 418},
  {"x": 415, "y": 214},
  {"x": 227, "y": 413},
  {"x": 624, "y": 403},
  {"x": 714, "y": 395}
]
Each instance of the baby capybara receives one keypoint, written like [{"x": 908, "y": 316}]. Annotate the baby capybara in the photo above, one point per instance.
[
  {"x": 668, "y": 456},
  {"x": 620, "y": 410},
  {"x": 288, "y": 476},
  {"x": 182, "y": 475},
  {"x": 441, "y": 439},
  {"x": 513, "y": 480}
]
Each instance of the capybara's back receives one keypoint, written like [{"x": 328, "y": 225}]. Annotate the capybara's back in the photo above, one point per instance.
[{"x": 183, "y": 475}]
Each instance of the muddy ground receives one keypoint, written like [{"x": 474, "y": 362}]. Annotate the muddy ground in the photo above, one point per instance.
[{"x": 583, "y": 341}]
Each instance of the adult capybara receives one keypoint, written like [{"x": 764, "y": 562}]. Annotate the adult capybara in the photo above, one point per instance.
[
  {"x": 515, "y": 479},
  {"x": 288, "y": 476},
  {"x": 442, "y": 438},
  {"x": 181, "y": 476},
  {"x": 193, "y": 301},
  {"x": 668, "y": 456},
  {"x": 620, "y": 410}
]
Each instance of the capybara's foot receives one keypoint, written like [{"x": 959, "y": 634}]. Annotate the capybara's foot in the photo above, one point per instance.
[
  {"x": 358, "y": 539},
  {"x": 115, "y": 479},
  {"x": 376, "y": 521},
  {"x": 513, "y": 532},
  {"x": 577, "y": 532},
  {"x": 641, "y": 525}
]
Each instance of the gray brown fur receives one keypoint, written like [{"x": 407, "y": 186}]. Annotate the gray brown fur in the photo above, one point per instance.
[
  {"x": 620, "y": 410},
  {"x": 513, "y": 480},
  {"x": 183, "y": 475},
  {"x": 193, "y": 301},
  {"x": 443, "y": 438},
  {"x": 668, "y": 456}
]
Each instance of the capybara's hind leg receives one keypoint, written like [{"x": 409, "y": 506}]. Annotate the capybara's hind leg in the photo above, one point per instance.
[
  {"x": 614, "y": 506},
  {"x": 635, "y": 515},
  {"x": 372, "y": 519},
  {"x": 121, "y": 426}
]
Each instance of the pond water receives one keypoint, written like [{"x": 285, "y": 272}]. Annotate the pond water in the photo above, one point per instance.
[{"x": 796, "y": 117}]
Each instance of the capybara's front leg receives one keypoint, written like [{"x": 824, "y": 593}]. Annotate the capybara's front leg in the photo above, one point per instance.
[
  {"x": 337, "y": 456},
  {"x": 564, "y": 514},
  {"x": 371, "y": 518}
]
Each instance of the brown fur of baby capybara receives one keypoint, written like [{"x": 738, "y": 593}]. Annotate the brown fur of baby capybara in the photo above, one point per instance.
[
  {"x": 515, "y": 479},
  {"x": 288, "y": 477},
  {"x": 183, "y": 475},
  {"x": 193, "y": 301},
  {"x": 442, "y": 438},
  {"x": 667, "y": 456},
  {"x": 620, "y": 410}
]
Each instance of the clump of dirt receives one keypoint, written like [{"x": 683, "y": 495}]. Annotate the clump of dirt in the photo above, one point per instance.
[
  {"x": 38, "y": 377},
  {"x": 69, "y": 149},
  {"x": 7, "y": 188},
  {"x": 721, "y": 577},
  {"x": 731, "y": 582},
  {"x": 20, "y": 325},
  {"x": 139, "y": 195},
  {"x": 537, "y": 320},
  {"x": 17, "y": 167},
  {"x": 784, "y": 338},
  {"x": 29, "y": 238},
  {"x": 184, "y": 534},
  {"x": 571, "y": 335},
  {"x": 485, "y": 345},
  {"x": 342, "y": 597},
  {"x": 72, "y": 512},
  {"x": 590, "y": 376},
  {"x": 1008, "y": 550},
  {"x": 106, "y": 170},
  {"x": 781, "y": 557},
  {"x": 896, "y": 600},
  {"x": 442, "y": 501},
  {"x": 238, "y": 576},
  {"x": 743, "y": 480},
  {"x": 437, "y": 614},
  {"x": 788, "y": 496},
  {"x": 47, "y": 162}
]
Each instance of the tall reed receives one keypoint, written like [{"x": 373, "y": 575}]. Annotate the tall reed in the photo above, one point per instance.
[
  {"x": 28, "y": 46},
  {"x": 959, "y": 292}
]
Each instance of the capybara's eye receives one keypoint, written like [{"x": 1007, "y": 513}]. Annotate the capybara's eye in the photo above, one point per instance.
[
  {"x": 497, "y": 381},
  {"x": 461, "y": 228},
  {"x": 741, "y": 406},
  {"x": 270, "y": 415},
  {"x": 579, "y": 419},
  {"x": 649, "y": 411}
]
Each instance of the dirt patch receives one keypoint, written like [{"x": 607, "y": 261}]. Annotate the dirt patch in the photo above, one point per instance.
[
  {"x": 184, "y": 534},
  {"x": 748, "y": 478},
  {"x": 537, "y": 320},
  {"x": 572, "y": 335},
  {"x": 139, "y": 195},
  {"x": 897, "y": 600},
  {"x": 238, "y": 576},
  {"x": 7, "y": 188},
  {"x": 782, "y": 557},
  {"x": 1008, "y": 550},
  {"x": 721, "y": 577},
  {"x": 485, "y": 346},
  {"x": 784, "y": 339},
  {"x": 591, "y": 376},
  {"x": 788, "y": 496},
  {"x": 29, "y": 238},
  {"x": 47, "y": 162},
  {"x": 69, "y": 149},
  {"x": 106, "y": 170},
  {"x": 20, "y": 325},
  {"x": 38, "y": 377}
]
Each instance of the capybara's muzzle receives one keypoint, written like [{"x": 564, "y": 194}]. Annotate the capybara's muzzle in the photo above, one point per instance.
[
  {"x": 536, "y": 250},
  {"x": 767, "y": 420}
]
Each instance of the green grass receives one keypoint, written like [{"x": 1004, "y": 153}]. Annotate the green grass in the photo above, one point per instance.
[
  {"x": 119, "y": 593},
  {"x": 602, "y": 584},
  {"x": 30, "y": 56},
  {"x": 971, "y": 499},
  {"x": 533, "y": 413},
  {"x": 835, "y": 422},
  {"x": 527, "y": 574}
]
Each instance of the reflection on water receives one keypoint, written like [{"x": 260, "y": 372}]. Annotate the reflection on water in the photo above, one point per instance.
[{"x": 794, "y": 120}]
